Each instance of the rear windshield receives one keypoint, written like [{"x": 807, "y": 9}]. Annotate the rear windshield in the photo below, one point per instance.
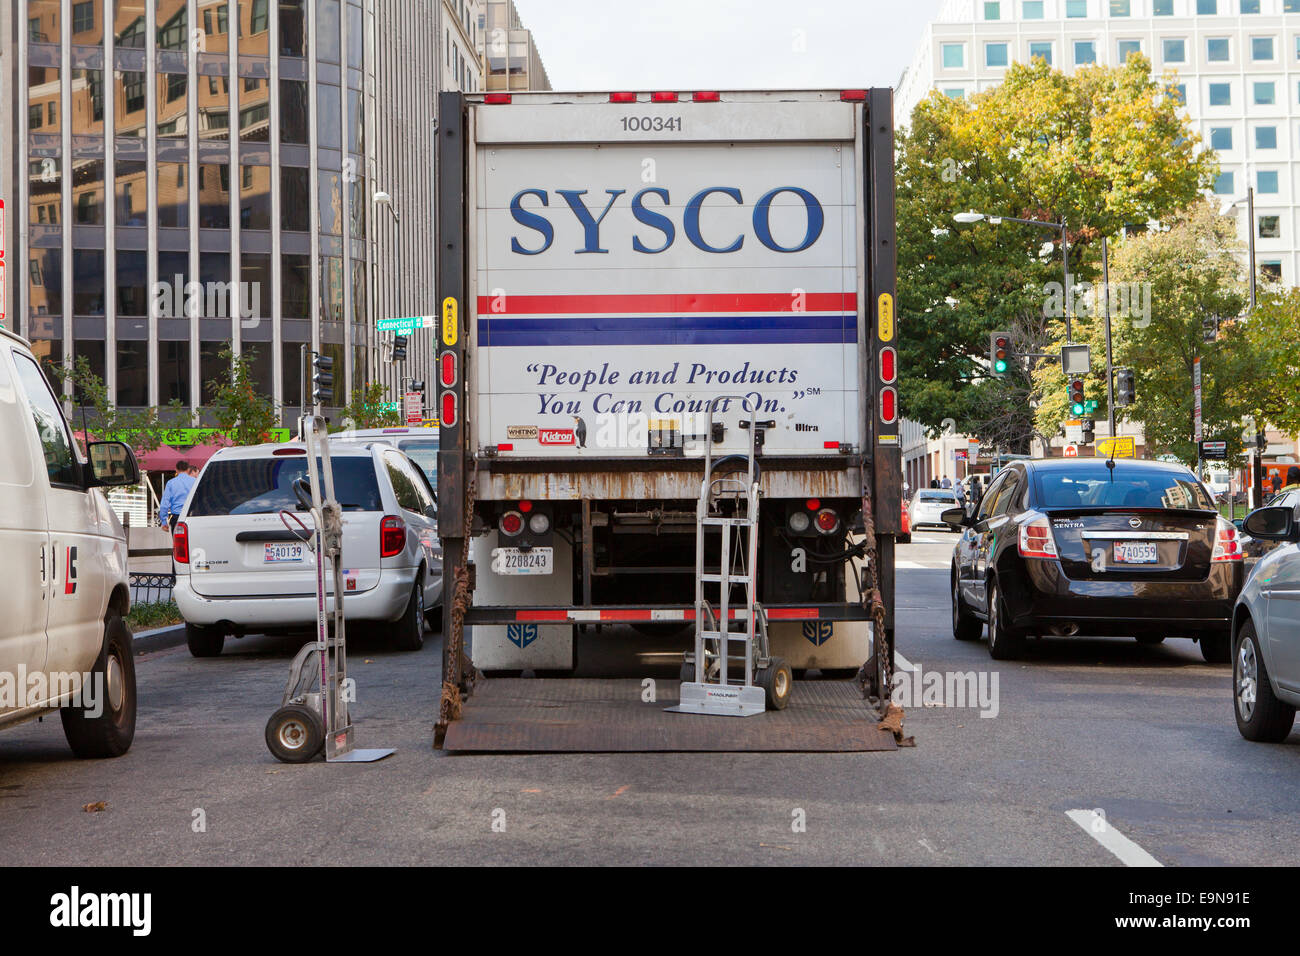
[
  {"x": 1093, "y": 485},
  {"x": 257, "y": 486},
  {"x": 938, "y": 496},
  {"x": 424, "y": 454}
]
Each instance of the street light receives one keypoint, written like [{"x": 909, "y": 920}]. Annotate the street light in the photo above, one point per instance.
[{"x": 1227, "y": 207}]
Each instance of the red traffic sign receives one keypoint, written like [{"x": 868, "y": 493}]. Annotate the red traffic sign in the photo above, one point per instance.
[
  {"x": 414, "y": 408},
  {"x": 1071, "y": 451}
]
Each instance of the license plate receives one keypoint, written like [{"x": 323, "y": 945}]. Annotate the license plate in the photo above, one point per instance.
[
  {"x": 1136, "y": 552},
  {"x": 515, "y": 561},
  {"x": 282, "y": 554}
]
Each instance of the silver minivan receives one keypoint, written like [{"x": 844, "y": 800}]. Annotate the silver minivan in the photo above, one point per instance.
[
  {"x": 419, "y": 442},
  {"x": 242, "y": 566},
  {"x": 64, "y": 642}
]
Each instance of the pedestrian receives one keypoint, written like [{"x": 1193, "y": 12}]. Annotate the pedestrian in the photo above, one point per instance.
[
  {"x": 934, "y": 482},
  {"x": 194, "y": 471},
  {"x": 959, "y": 490},
  {"x": 1292, "y": 479},
  {"x": 946, "y": 483},
  {"x": 175, "y": 495}
]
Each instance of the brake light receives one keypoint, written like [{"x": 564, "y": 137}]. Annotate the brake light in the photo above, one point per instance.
[
  {"x": 1227, "y": 547},
  {"x": 813, "y": 504},
  {"x": 447, "y": 368},
  {"x": 622, "y": 97},
  {"x": 493, "y": 99},
  {"x": 706, "y": 96},
  {"x": 888, "y": 405},
  {"x": 181, "y": 544},
  {"x": 853, "y": 96},
  {"x": 448, "y": 402},
  {"x": 828, "y": 522},
  {"x": 663, "y": 97},
  {"x": 392, "y": 537},
  {"x": 289, "y": 451},
  {"x": 1036, "y": 539},
  {"x": 525, "y": 506},
  {"x": 512, "y": 522}
]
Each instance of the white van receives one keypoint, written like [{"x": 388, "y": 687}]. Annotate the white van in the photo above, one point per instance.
[
  {"x": 64, "y": 643},
  {"x": 417, "y": 442}
]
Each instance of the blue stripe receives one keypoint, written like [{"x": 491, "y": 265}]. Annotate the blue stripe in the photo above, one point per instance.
[{"x": 670, "y": 330}]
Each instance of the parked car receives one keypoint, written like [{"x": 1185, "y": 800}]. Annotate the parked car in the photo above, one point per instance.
[
  {"x": 1094, "y": 547},
  {"x": 928, "y": 506},
  {"x": 64, "y": 643},
  {"x": 241, "y": 569},
  {"x": 1266, "y": 628},
  {"x": 419, "y": 442},
  {"x": 905, "y": 532}
]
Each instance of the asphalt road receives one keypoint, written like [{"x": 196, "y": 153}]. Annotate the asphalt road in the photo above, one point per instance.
[{"x": 1145, "y": 734}]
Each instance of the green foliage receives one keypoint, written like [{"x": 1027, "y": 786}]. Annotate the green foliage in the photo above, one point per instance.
[
  {"x": 1104, "y": 148},
  {"x": 244, "y": 415},
  {"x": 144, "y": 429},
  {"x": 158, "y": 614},
  {"x": 365, "y": 410},
  {"x": 1268, "y": 350}
]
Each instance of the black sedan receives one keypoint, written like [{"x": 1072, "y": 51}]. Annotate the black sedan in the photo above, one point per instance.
[{"x": 1090, "y": 546}]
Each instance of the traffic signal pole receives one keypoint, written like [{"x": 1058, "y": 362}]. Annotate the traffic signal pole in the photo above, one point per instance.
[{"x": 1110, "y": 368}]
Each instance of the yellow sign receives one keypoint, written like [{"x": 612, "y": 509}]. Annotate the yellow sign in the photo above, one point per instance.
[
  {"x": 450, "y": 323},
  {"x": 885, "y": 317},
  {"x": 1117, "y": 448}
]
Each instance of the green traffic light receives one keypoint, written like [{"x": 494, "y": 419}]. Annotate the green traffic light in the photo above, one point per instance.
[
  {"x": 1076, "y": 409},
  {"x": 999, "y": 366}
]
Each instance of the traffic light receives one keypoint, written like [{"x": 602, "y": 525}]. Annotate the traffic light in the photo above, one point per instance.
[
  {"x": 1076, "y": 397},
  {"x": 1000, "y": 352},
  {"x": 1124, "y": 393},
  {"x": 399, "y": 348},
  {"x": 1089, "y": 431},
  {"x": 322, "y": 380}
]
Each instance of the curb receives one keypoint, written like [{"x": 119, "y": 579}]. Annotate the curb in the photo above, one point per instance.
[{"x": 159, "y": 638}]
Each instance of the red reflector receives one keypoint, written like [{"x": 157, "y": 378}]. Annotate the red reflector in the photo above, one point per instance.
[
  {"x": 888, "y": 365},
  {"x": 525, "y": 506},
  {"x": 512, "y": 523},
  {"x": 448, "y": 405},
  {"x": 505, "y": 447},
  {"x": 853, "y": 96},
  {"x": 831, "y": 444},
  {"x": 706, "y": 96},
  {"x": 888, "y": 405},
  {"x": 447, "y": 369},
  {"x": 812, "y": 504},
  {"x": 289, "y": 451},
  {"x": 181, "y": 544},
  {"x": 493, "y": 99},
  {"x": 827, "y": 521},
  {"x": 622, "y": 97},
  {"x": 663, "y": 97}
]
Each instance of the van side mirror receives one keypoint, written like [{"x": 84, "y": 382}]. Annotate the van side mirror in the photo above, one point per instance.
[
  {"x": 1272, "y": 524},
  {"x": 112, "y": 465}
]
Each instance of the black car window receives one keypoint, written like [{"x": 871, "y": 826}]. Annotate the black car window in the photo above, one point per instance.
[
  {"x": 991, "y": 496},
  {"x": 253, "y": 486},
  {"x": 1091, "y": 484},
  {"x": 1007, "y": 495}
]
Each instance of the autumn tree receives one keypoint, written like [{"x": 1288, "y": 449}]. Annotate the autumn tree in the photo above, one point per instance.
[{"x": 244, "y": 415}]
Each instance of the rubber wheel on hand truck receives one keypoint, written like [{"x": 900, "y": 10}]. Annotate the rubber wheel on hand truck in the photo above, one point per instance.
[
  {"x": 777, "y": 682},
  {"x": 687, "y": 673},
  {"x": 295, "y": 734},
  {"x": 204, "y": 641}
]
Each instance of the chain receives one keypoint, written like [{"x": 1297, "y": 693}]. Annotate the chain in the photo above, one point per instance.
[{"x": 876, "y": 673}]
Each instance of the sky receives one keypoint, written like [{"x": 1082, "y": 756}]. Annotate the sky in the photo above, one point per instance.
[{"x": 725, "y": 44}]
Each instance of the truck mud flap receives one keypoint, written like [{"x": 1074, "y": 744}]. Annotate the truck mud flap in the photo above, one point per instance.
[{"x": 610, "y": 716}]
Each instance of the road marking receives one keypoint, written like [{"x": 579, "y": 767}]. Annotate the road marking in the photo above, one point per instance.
[{"x": 1096, "y": 826}]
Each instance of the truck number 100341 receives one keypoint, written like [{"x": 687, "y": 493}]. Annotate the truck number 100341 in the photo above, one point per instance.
[{"x": 652, "y": 124}]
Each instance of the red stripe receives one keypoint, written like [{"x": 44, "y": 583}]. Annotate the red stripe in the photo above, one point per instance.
[
  {"x": 541, "y": 615},
  {"x": 793, "y": 614},
  {"x": 673, "y": 302}
]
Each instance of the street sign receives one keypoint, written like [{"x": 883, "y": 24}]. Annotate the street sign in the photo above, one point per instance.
[
  {"x": 972, "y": 450},
  {"x": 390, "y": 406},
  {"x": 405, "y": 325},
  {"x": 1214, "y": 449},
  {"x": 1196, "y": 400},
  {"x": 1117, "y": 448},
  {"x": 414, "y": 408},
  {"x": 960, "y": 454},
  {"x": 1071, "y": 451},
  {"x": 1073, "y": 431}
]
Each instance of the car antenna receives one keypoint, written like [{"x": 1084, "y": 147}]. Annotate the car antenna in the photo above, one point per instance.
[{"x": 1110, "y": 462}]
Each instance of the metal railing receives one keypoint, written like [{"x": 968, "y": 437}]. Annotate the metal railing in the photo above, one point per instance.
[{"x": 148, "y": 587}]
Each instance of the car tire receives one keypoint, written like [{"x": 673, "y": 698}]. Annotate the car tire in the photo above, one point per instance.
[
  {"x": 204, "y": 641},
  {"x": 965, "y": 626},
  {"x": 295, "y": 734},
  {"x": 1265, "y": 718},
  {"x": 1216, "y": 648},
  {"x": 110, "y": 732},
  {"x": 1005, "y": 644},
  {"x": 408, "y": 630}
]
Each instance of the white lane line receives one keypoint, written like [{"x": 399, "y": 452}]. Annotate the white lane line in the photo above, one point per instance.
[{"x": 1099, "y": 828}]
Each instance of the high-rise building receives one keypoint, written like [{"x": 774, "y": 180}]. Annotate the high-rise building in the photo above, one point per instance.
[
  {"x": 507, "y": 46},
  {"x": 179, "y": 174},
  {"x": 1238, "y": 67}
]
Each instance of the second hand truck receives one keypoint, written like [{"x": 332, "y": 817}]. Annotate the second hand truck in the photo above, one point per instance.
[{"x": 314, "y": 710}]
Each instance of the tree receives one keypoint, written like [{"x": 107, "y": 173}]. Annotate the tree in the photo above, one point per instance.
[
  {"x": 144, "y": 429},
  {"x": 368, "y": 409},
  {"x": 1268, "y": 349},
  {"x": 244, "y": 415},
  {"x": 1104, "y": 148}
]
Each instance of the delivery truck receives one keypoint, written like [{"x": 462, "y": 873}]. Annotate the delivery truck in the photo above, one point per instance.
[{"x": 629, "y": 282}]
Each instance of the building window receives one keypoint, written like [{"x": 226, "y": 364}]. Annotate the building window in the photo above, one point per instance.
[
  {"x": 1127, "y": 48},
  {"x": 1180, "y": 93},
  {"x": 1120, "y": 8},
  {"x": 992, "y": 10},
  {"x": 1264, "y": 93},
  {"x": 1218, "y": 50},
  {"x": 1221, "y": 138},
  {"x": 1076, "y": 8},
  {"x": 1220, "y": 94},
  {"x": 995, "y": 54},
  {"x": 1162, "y": 8},
  {"x": 83, "y": 17},
  {"x": 1042, "y": 50},
  {"x": 1207, "y": 8},
  {"x": 954, "y": 56},
  {"x": 1175, "y": 51},
  {"x": 1271, "y": 269},
  {"x": 1267, "y": 181},
  {"x": 1261, "y": 49},
  {"x": 1291, "y": 6},
  {"x": 1032, "y": 10},
  {"x": 1266, "y": 137},
  {"x": 1223, "y": 186},
  {"x": 1250, "y": 6},
  {"x": 52, "y": 113},
  {"x": 35, "y": 116},
  {"x": 1085, "y": 51},
  {"x": 1270, "y": 227},
  {"x": 955, "y": 93}
]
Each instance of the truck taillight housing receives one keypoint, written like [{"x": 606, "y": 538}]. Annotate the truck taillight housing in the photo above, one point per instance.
[
  {"x": 448, "y": 408},
  {"x": 827, "y": 521},
  {"x": 888, "y": 365},
  {"x": 1227, "y": 546},
  {"x": 392, "y": 537},
  {"x": 181, "y": 544},
  {"x": 888, "y": 405},
  {"x": 447, "y": 370},
  {"x": 511, "y": 523},
  {"x": 1036, "y": 539}
]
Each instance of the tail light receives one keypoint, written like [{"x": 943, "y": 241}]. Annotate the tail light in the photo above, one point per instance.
[
  {"x": 827, "y": 521},
  {"x": 799, "y": 521},
  {"x": 181, "y": 544},
  {"x": 392, "y": 537},
  {"x": 511, "y": 523},
  {"x": 1227, "y": 546},
  {"x": 706, "y": 96},
  {"x": 853, "y": 96},
  {"x": 622, "y": 97},
  {"x": 497, "y": 99},
  {"x": 1036, "y": 539},
  {"x": 539, "y": 523},
  {"x": 664, "y": 97}
]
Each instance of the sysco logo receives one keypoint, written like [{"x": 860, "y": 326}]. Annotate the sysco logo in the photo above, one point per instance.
[{"x": 651, "y": 207}]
